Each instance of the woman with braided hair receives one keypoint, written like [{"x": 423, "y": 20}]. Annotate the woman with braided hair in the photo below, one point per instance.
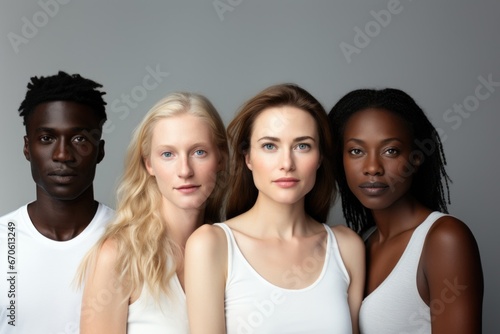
[{"x": 423, "y": 266}]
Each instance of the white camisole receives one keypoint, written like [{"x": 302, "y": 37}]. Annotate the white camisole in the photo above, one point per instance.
[
  {"x": 395, "y": 306},
  {"x": 254, "y": 305}
]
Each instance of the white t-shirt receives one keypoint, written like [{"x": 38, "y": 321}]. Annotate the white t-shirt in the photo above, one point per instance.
[{"x": 37, "y": 294}]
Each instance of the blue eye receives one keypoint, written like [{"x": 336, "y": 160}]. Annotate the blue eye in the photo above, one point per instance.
[
  {"x": 269, "y": 146},
  {"x": 200, "y": 153},
  {"x": 303, "y": 146},
  {"x": 167, "y": 154}
]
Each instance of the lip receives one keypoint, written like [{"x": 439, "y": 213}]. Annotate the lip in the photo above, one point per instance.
[
  {"x": 373, "y": 188},
  {"x": 62, "y": 176},
  {"x": 286, "y": 182},
  {"x": 187, "y": 188}
]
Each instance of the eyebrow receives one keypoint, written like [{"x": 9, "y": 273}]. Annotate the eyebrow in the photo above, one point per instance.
[
  {"x": 75, "y": 129},
  {"x": 360, "y": 141},
  {"x": 201, "y": 144},
  {"x": 276, "y": 139}
]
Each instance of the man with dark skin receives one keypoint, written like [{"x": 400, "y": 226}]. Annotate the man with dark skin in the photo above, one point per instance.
[{"x": 44, "y": 241}]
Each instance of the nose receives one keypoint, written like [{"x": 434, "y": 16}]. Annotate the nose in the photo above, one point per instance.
[
  {"x": 287, "y": 161},
  {"x": 185, "y": 169},
  {"x": 63, "y": 152},
  {"x": 373, "y": 165}
]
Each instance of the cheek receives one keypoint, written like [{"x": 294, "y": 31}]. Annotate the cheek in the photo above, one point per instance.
[
  {"x": 162, "y": 171},
  {"x": 350, "y": 172},
  {"x": 208, "y": 171},
  {"x": 261, "y": 161}
]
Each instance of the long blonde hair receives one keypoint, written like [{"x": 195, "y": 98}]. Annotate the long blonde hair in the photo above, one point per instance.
[{"x": 145, "y": 252}]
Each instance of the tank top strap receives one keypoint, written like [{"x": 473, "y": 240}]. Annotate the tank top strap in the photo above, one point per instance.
[
  {"x": 231, "y": 243},
  {"x": 333, "y": 255},
  {"x": 331, "y": 240},
  {"x": 420, "y": 233}
]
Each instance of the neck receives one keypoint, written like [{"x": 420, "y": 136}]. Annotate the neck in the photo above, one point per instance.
[
  {"x": 269, "y": 218},
  {"x": 62, "y": 220},
  {"x": 181, "y": 223},
  {"x": 404, "y": 215}
]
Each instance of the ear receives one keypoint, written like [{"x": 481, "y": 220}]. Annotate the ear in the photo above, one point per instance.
[
  {"x": 149, "y": 168},
  {"x": 26, "y": 150},
  {"x": 248, "y": 161},
  {"x": 101, "y": 154}
]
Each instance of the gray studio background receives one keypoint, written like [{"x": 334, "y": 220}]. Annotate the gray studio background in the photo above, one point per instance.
[{"x": 443, "y": 53}]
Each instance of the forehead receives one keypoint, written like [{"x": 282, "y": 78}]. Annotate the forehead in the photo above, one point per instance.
[
  {"x": 63, "y": 115},
  {"x": 284, "y": 120},
  {"x": 376, "y": 121},
  {"x": 183, "y": 129}
]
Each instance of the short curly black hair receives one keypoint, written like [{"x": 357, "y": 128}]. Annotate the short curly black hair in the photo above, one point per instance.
[{"x": 63, "y": 87}]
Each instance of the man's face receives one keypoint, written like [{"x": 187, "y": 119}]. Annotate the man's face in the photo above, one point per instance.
[{"x": 63, "y": 149}]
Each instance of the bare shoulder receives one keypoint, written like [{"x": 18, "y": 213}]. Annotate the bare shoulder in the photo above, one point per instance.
[
  {"x": 450, "y": 250},
  {"x": 350, "y": 243},
  {"x": 107, "y": 254},
  {"x": 452, "y": 268},
  {"x": 352, "y": 251},
  {"x": 207, "y": 238},
  {"x": 449, "y": 233},
  {"x": 345, "y": 235},
  {"x": 102, "y": 265}
]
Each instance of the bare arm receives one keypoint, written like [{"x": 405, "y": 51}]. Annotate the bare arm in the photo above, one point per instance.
[
  {"x": 205, "y": 280},
  {"x": 104, "y": 304},
  {"x": 352, "y": 250},
  {"x": 452, "y": 268}
]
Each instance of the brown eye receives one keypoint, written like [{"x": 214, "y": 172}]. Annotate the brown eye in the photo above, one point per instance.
[
  {"x": 46, "y": 139},
  {"x": 392, "y": 151}
]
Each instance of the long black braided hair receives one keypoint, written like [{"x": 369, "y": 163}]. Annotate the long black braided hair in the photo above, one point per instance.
[{"x": 430, "y": 184}]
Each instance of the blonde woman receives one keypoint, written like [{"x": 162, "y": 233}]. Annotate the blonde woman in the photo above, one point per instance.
[{"x": 134, "y": 276}]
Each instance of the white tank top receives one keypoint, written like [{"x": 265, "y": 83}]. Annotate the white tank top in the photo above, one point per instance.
[
  {"x": 254, "y": 305},
  {"x": 145, "y": 315},
  {"x": 395, "y": 306}
]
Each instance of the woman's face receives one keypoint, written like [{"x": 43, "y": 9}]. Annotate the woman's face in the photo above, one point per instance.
[
  {"x": 378, "y": 157},
  {"x": 184, "y": 160},
  {"x": 284, "y": 154}
]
